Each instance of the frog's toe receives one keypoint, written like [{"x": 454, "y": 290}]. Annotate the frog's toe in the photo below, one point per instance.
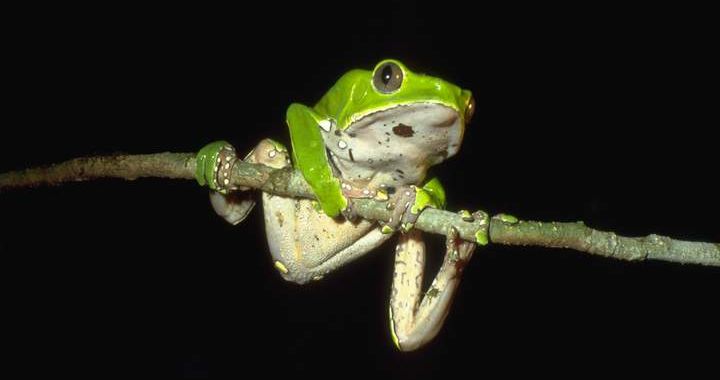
[
  {"x": 458, "y": 251},
  {"x": 405, "y": 214},
  {"x": 214, "y": 166},
  {"x": 482, "y": 235},
  {"x": 233, "y": 207},
  {"x": 221, "y": 169},
  {"x": 349, "y": 212}
]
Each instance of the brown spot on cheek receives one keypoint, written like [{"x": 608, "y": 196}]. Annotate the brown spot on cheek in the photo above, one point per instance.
[
  {"x": 403, "y": 130},
  {"x": 279, "y": 217}
]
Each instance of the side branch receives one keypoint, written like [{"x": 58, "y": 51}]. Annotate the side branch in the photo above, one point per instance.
[{"x": 288, "y": 182}]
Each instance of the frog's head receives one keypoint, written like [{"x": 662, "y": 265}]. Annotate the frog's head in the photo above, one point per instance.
[{"x": 396, "y": 115}]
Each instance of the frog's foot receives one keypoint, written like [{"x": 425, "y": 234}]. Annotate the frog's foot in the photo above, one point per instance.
[
  {"x": 401, "y": 203},
  {"x": 483, "y": 221},
  {"x": 349, "y": 212},
  {"x": 458, "y": 251},
  {"x": 234, "y": 207},
  {"x": 214, "y": 166},
  {"x": 407, "y": 204},
  {"x": 227, "y": 201}
]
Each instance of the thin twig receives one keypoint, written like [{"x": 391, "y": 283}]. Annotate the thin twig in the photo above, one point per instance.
[
  {"x": 129, "y": 167},
  {"x": 288, "y": 182}
]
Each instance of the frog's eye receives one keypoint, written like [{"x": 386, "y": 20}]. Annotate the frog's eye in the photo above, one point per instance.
[
  {"x": 469, "y": 110},
  {"x": 388, "y": 78}
]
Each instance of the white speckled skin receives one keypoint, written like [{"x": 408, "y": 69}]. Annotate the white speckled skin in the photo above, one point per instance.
[
  {"x": 390, "y": 148},
  {"x": 307, "y": 243},
  {"x": 383, "y": 154},
  {"x": 416, "y": 318},
  {"x": 311, "y": 244}
]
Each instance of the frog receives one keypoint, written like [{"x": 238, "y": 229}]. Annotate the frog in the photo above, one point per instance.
[{"x": 374, "y": 134}]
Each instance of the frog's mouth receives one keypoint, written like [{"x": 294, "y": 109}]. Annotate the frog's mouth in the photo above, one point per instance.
[{"x": 357, "y": 118}]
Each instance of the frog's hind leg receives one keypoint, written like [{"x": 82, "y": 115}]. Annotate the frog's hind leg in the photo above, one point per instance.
[
  {"x": 415, "y": 318},
  {"x": 306, "y": 244}
]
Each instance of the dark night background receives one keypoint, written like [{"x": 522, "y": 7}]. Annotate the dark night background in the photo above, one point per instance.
[{"x": 602, "y": 114}]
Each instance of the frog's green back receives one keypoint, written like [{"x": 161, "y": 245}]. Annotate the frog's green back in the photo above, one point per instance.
[
  {"x": 338, "y": 98},
  {"x": 353, "y": 95}
]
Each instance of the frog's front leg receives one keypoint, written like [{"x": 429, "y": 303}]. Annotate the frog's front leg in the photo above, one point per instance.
[{"x": 415, "y": 318}]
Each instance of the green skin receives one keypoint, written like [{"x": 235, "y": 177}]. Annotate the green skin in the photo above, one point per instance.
[
  {"x": 351, "y": 98},
  {"x": 373, "y": 135}
]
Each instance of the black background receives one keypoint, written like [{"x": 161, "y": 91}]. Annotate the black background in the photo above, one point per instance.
[{"x": 604, "y": 114}]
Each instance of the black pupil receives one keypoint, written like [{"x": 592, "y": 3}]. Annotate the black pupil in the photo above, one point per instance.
[{"x": 386, "y": 74}]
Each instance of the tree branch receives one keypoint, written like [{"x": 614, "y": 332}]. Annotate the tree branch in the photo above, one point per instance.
[
  {"x": 288, "y": 182},
  {"x": 129, "y": 167}
]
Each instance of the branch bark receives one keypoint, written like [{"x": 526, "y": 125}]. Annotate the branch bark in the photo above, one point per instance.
[{"x": 288, "y": 182}]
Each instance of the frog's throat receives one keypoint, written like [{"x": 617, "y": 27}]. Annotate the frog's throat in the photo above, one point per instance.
[
  {"x": 395, "y": 146},
  {"x": 359, "y": 116},
  {"x": 454, "y": 120}
]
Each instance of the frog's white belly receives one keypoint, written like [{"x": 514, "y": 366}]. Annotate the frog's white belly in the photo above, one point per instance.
[{"x": 396, "y": 146}]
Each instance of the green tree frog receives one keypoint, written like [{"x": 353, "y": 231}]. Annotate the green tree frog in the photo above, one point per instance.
[{"x": 374, "y": 134}]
